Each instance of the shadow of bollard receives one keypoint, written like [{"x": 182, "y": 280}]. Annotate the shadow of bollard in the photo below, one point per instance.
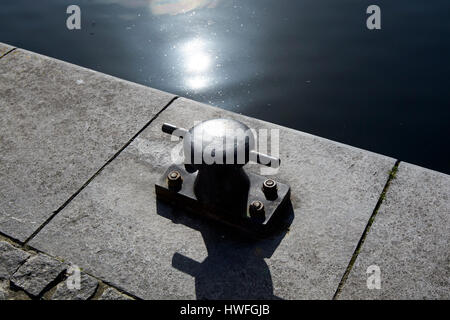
[{"x": 235, "y": 267}]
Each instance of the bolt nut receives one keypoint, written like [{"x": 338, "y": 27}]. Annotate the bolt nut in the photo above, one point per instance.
[
  {"x": 270, "y": 189},
  {"x": 256, "y": 209},
  {"x": 174, "y": 180}
]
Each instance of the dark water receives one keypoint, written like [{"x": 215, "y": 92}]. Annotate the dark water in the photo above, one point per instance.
[{"x": 307, "y": 64}]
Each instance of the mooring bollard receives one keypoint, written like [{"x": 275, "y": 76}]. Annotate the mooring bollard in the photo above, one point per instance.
[{"x": 213, "y": 181}]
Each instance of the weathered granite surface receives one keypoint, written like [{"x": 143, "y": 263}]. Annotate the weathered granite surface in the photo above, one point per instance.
[
  {"x": 59, "y": 123},
  {"x": 37, "y": 273},
  {"x": 10, "y": 259},
  {"x": 40, "y": 273},
  {"x": 409, "y": 240},
  {"x": 116, "y": 230},
  {"x": 6, "y": 293},
  {"x": 88, "y": 286},
  {"x": 3, "y": 292},
  {"x": 4, "y": 48},
  {"x": 113, "y": 294}
]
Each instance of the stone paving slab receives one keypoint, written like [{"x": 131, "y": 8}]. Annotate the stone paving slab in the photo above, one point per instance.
[
  {"x": 4, "y": 48},
  {"x": 88, "y": 287},
  {"x": 59, "y": 123},
  {"x": 408, "y": 241},
  {"x": 6, "y": 293},
  {"x": 37, "y": 273},
  {"x": 116, "y": 230},
  {"x": 113, "y": 294},
  {"x": 10, "y": 259}
]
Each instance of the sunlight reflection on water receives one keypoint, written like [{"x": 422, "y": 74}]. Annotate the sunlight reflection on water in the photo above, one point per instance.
[
  {"x": 174, "y": 7},
  {"x": 197, "y": 62},
  {"x": 310, "y": 65}
]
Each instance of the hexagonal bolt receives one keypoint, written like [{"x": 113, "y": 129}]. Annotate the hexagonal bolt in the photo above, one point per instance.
[
  {"x": 174, "y": 180},
  {"x": 256, "y": 209},
  {"x": 270, "y": 189}
]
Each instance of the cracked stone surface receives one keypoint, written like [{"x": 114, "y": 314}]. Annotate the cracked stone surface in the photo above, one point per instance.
[
  {"x": 116, "y": 230},
  {"x": 409, "y": 240},
  {"x": 4, "y": 48},
  {"x": 37, "y": 273},
  {"x": 10, "y": 259},
  {"x": 88, "y": 286},
  {"x": 59, "y": 123},
  {"x": 113, "y": 294}
]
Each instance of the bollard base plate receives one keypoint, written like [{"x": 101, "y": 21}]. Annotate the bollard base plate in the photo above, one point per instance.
[{"x": 269, "y": 222}]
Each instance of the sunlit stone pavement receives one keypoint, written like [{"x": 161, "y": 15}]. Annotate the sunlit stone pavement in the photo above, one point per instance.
[{"x": 80, "y": 154}]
